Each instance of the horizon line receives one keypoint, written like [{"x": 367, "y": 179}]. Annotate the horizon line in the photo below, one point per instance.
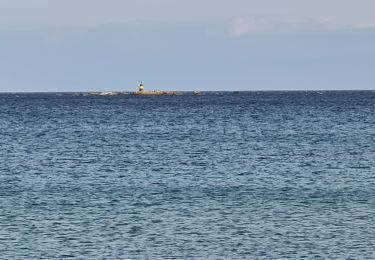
[{"x": 125, "y": 91}]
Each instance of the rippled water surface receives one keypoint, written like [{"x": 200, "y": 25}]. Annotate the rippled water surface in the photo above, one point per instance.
[{"x": 258, "y": 175}]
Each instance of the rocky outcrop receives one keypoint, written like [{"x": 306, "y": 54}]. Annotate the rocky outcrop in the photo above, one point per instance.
[{"x": 156, "y": 92}]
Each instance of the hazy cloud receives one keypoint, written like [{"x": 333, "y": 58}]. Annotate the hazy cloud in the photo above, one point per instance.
[
  {"x": 54, "y": 13},
  {"x": 242, "y": 26}
]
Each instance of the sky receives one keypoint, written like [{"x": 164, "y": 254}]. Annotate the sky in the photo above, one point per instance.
[{"x": 89, "y": 45}]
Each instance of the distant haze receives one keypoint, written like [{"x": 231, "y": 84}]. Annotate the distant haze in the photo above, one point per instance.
[{"x": 73, "y": 45}]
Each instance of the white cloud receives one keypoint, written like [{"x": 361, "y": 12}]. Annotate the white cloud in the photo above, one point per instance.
[
  {"x": 363, "y": 26},
  {"x": 242, "y": 26}
]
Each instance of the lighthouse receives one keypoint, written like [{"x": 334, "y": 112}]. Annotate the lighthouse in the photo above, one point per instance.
[{"x": 141, "y": 87}]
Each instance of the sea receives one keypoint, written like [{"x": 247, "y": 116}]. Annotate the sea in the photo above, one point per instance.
[{"x": 223, "y": 175}]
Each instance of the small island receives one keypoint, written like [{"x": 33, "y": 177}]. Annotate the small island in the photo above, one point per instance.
[{"x": 141, "y": 91}]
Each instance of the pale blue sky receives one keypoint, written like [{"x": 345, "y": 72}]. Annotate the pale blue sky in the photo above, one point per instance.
[{"x": 71, "y": 45}]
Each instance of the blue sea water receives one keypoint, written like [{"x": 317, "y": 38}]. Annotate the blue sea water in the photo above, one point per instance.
[{"x": 258, "y": 175}]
